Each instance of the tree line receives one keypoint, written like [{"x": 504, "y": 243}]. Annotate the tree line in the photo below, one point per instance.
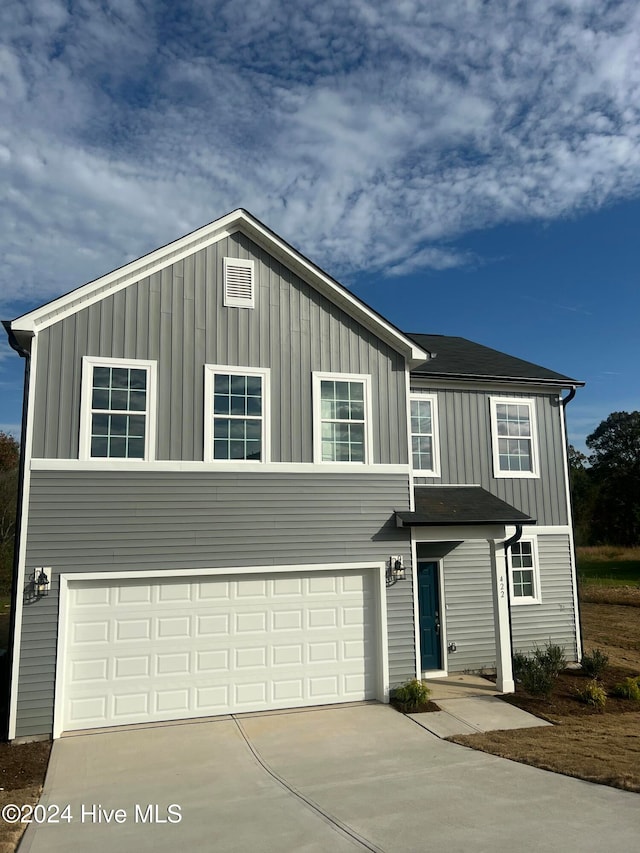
[
  {"x": 9, "y": 461},
  {"x": 605, "y": 485}
]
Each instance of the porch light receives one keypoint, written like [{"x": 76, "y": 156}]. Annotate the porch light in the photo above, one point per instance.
[
  {"x": 40, "y": 582},
  {"x": 395, "y": 570}
]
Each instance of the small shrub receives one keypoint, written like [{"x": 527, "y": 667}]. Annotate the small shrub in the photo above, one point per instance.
[
  {"x": 536, "y": 678},
  {"x": 551, "y": 658},
  {"x": 628, "y": 689},
  {"x": 593, "y": 694},
  {"x": 594, "y": 663},
  {"x": 411, "y": 695},
  {"x": 520, "y": 664}
]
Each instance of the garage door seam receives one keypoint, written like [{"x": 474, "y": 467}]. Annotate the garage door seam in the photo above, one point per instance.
[{"x": 329, "y": 818}]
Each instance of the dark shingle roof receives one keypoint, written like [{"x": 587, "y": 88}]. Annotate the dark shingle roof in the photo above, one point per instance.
[
  {"x": 447, "y": 505},
  {"x": 460, "y": 358}
]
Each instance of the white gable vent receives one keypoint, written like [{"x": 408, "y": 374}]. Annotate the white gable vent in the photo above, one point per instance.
[{"x": 239, "y": 287}]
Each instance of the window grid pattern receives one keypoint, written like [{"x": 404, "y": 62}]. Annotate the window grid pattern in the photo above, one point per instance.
[
  {"x": 422, "y": 435},
  {"x": 514, "y": 437},
  {"x": 342, "y": 412},
  {"x": 118, "y": 412},
  {"x": 522, "y": 570},
  {"x": 237, "y": 417}
]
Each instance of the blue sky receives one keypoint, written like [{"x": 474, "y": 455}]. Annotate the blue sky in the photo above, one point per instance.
[{"x": 467, "y": 168}]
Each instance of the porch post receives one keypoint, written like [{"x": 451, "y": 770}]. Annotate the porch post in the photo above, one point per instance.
[{"x": 500, "y": 584}]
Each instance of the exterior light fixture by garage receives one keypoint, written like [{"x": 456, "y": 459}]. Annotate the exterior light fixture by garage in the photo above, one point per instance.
[
  {"x": 395, "y": 570},
  {"x": 40, "y": 582}
]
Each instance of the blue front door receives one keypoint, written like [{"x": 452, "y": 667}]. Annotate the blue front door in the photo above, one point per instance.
[{"x": 428, "y": 609}]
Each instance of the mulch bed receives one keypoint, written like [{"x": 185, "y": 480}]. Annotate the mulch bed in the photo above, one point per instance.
[{"x": 23, "y": 765}]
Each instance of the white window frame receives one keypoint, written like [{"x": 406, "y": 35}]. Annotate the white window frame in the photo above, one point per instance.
[
  {"x": 89, "y": 362},
  {"x": 210, "y": 372},
  {"x": 228, "y": 299},
  {"x": 533, "y": 438},
  {"x": 365, "y": 380},
  {"x": 434, "y": 471},
  {"x": 536, "y": 598}
]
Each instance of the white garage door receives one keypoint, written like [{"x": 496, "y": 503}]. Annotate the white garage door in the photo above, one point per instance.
[{"x": 144, "y": 650}]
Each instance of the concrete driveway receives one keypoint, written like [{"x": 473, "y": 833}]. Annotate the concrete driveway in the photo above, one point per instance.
[{"x": 338, "y": 779}]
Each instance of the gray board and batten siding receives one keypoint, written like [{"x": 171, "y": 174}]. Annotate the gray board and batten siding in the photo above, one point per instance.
[
  {"x": 161, "y": 522},
  {"x": 466, "y": 451},
  {"x": 177, "y": 318}
]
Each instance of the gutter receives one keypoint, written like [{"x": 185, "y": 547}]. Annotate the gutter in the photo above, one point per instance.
[{"x": 23, "y": 353}]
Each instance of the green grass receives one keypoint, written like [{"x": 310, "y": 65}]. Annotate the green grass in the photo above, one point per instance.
[{"x": 606, "y": 565}]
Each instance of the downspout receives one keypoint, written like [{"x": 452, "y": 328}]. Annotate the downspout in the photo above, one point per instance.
[
  {"x": 517, "y": 536},
  {"x": 23, "y": 353},
  {"x": 564, "y": 401}
]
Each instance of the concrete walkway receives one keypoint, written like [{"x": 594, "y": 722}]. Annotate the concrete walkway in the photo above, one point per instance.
[
  {"x": 336, "y": 779},
  {"x": 469, "y": 705}
]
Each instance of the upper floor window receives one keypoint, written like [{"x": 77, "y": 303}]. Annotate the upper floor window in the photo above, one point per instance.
[
  {"x": 515, "y": 447},
  {"x": 342, "y": 417},
  {"x": 236, "y": 419},
  {"x": 425, "y": 450},
  {"x": 524, "y": 573},
  {"x": 118, "y": 409}
]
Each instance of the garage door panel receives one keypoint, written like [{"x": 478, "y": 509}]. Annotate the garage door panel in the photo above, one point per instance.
[{"x": 151, "y": 651}]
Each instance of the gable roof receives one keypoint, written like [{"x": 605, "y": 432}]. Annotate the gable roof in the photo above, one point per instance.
[
  {"x": 238, "y": 220},
  {"x": 459, "y": 358}
]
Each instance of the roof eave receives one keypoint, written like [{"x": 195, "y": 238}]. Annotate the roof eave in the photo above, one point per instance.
[{"x": 560, "y": 382}]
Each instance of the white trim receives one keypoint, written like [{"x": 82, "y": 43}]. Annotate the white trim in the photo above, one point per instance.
[
  {"x": 191, "y": 467},
  {"x": 151, "y": 412},
  {"x": 572, "y": 549},
  {"x": 501, "y": 619},
  {"x": 365, "y": 379},
  {"x": 241, "y": 220},
  {"x": 435, "y": 435},
  {"x": 457, "y": 533},
  {"x": 229, "y": 300},
  {"x": 22, "y": 546},
  {"x": 210, "y": 370},
  {"x": 499, "y": 385},
  {"x": 66, "y": 578},
  {"x": 536, "y": 598},
  {"x": 498, "y": 473}
]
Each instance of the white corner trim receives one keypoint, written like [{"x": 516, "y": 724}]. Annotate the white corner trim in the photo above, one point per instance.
[
  {"x": 264, "y": 373},
  {"x": 67, "y": 578},
  {"x": 22, "y": 545},
  {"x": 572, "y": 548}
]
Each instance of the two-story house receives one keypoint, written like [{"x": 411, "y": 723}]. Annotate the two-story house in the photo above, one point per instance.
[{"x": 243, "y": 489}]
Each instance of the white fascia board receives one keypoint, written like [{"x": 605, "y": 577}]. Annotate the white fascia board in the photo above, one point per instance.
[{"x": 239, "y": 219}]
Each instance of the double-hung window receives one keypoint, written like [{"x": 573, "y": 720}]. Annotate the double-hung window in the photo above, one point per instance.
[
  {"x": 425, "y": 450},
  {"x": 118, "y": 409},
  {"x": 524, "y": 572},
  {"x": 236, "y": 414},
  {"x": 513, "y": 430},
  {"x": 342, "y": 417}
]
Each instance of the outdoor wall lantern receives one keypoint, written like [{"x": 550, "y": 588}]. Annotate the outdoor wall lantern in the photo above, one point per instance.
[
  {"x": 395, "y": 570},
  {"x": 40, "y": 581}
]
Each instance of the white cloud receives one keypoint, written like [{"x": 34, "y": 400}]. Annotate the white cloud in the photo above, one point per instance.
[{"x": 368, "y": 139}]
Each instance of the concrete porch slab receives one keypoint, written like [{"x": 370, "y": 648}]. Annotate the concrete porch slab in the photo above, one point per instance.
[
  {"x": 488, "y": 713},
  {"x": 442, "y": 724}
]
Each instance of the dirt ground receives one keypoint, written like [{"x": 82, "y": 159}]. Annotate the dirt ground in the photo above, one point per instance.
[{"x": 599, "y": 746}]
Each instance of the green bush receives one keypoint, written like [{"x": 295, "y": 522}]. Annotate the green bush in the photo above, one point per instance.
[
  {"x": 411, "y": 695},
  {"x": 593, "y": 694},
  {"x": 594, "y": 663},
  {"x": 628, "y": 689},
  {"x": 551, "y": 658}
]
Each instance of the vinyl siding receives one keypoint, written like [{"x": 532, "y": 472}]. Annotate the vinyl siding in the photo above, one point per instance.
[
  {"x": 553, "y": 620},
  {"x": 119, "y": 521},
  {"x": 177, "y": 318},
  {"x": 466, "y": 452},
  {"x": 468, "y": 601}
]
